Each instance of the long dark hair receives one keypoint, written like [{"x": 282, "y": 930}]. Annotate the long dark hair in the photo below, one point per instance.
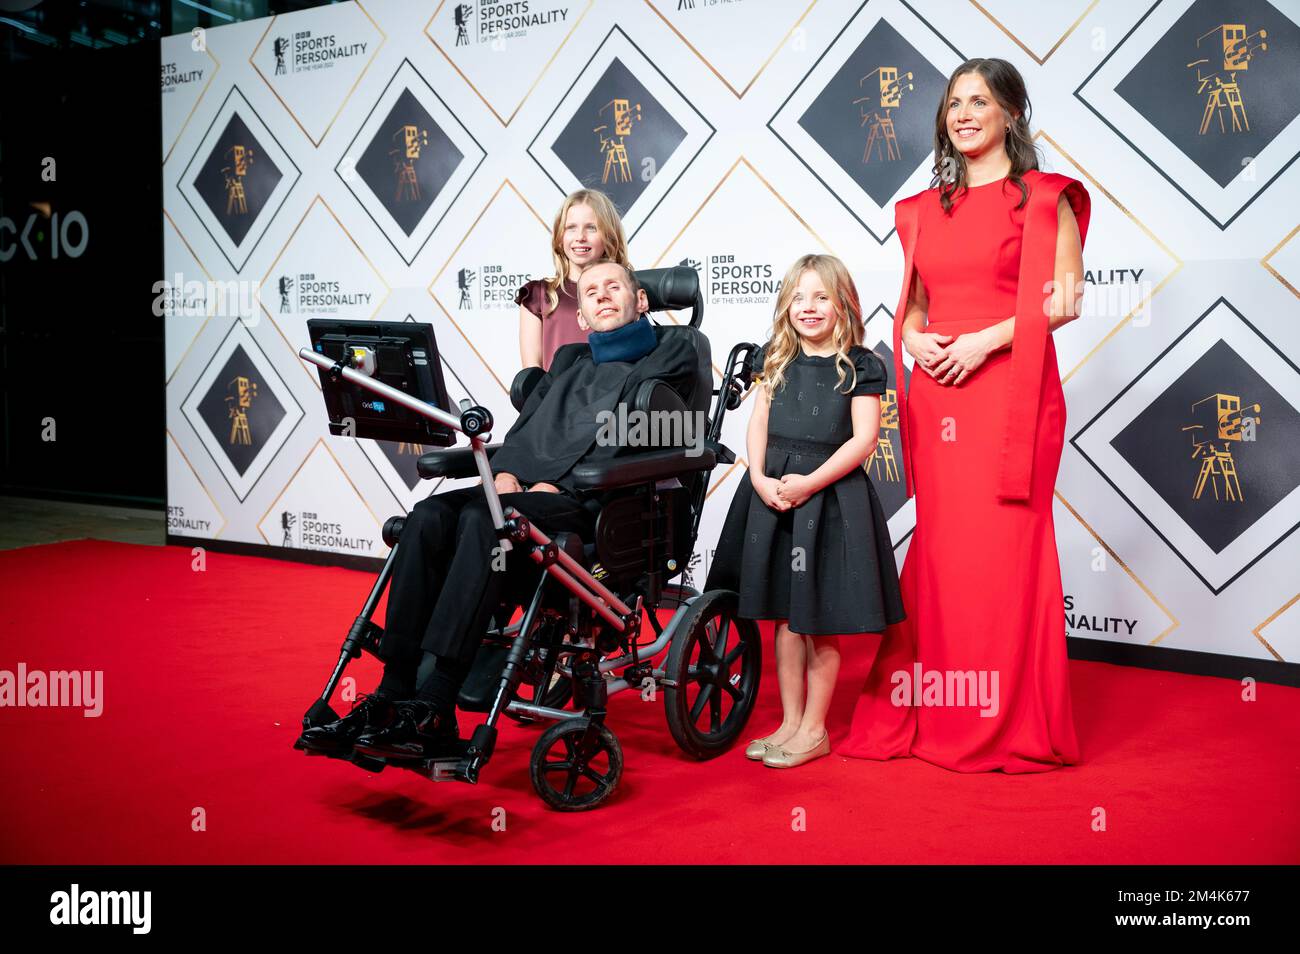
[{"x": 1008, "y": 88}]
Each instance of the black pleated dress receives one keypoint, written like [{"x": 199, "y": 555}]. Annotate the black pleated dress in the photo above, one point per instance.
[{"x": 826, "y": 566}]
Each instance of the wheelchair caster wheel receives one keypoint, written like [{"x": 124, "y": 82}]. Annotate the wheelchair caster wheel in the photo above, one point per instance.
[
  {"x": 576, "y": 764},
  {"x": 713, "y": 670}
]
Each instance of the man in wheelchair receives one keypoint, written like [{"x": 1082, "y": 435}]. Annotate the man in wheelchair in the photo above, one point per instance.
[{"x": 449, "y": 573}]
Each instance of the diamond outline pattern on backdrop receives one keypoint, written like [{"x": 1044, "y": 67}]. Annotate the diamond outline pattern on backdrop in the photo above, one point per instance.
[
  {"x": 834, "y": 168},
  {"x": 368, "y": 200},
  {"x": 323, "y": 445},
  {"x": 477, "y": 92},
  {"x": 271, "y": 313},
  {"x": 739, "y": 94},
  {"x": 632, "y": 220},
  {"x": 260, "y": 462},
  {"x": 1165, "y": 524},
  {"x": 262, "y": 222},
  {"x": 315, "y": 141},
  {"x": 1162, "y": 140},
  {"x": 455, "y": 252}
]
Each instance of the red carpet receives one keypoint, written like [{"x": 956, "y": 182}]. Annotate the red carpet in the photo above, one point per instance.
[{"x": 206, "y": 676}]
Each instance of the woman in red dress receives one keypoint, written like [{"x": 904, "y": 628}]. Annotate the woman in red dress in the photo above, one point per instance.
[{"x": 976, "y": 679}]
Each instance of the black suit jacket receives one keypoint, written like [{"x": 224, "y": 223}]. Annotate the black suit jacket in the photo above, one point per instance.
[{"x": 560, "y": 420}]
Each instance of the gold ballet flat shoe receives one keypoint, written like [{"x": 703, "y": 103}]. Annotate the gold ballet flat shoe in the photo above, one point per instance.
[
  {"x": 777, "y": 757},
  {"x": 756, "y": 749}
]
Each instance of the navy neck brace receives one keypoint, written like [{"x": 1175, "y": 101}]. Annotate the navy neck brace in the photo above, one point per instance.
[{"x": 631, "y": 342}]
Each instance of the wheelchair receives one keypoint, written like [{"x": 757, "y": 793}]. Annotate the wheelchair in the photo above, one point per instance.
[{"x": 579, "y": 640}]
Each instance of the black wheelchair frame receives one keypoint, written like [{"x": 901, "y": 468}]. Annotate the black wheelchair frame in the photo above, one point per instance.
[{"x": 578, "y": 636}]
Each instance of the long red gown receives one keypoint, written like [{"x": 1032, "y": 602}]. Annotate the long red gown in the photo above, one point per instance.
[{"x": 982, "y": 581}]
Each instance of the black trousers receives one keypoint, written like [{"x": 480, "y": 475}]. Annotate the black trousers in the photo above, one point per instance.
[{"x": 444, "y": 586}]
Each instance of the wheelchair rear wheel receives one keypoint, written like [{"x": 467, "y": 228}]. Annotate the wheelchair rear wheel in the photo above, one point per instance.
[
  {"x": 714, "y": 664},
  {"x": 576, "y": 764}
]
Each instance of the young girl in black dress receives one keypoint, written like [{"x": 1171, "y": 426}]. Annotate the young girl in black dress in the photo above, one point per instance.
[{"x": 805, "y": 541}]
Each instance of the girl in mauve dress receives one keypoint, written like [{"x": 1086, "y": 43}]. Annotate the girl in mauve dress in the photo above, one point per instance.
[{"x": 586, "y": 229}]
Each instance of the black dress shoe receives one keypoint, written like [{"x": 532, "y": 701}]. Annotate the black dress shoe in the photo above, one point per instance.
[
  {"x": 416, "y": 732},
  {"x": 336, "y": 738}
]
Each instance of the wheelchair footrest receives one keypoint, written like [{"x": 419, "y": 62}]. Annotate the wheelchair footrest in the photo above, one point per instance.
[
  {"x": 446, "y": 770},
  {"x": 365, "y": 762},
  {"x": 465, "y": 766}
]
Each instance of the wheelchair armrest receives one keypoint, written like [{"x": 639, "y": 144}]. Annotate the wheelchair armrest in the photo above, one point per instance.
[
  {"x": 452, "y": 462},
  {"x": 523, "y": 385},
  {"x": 641, "y": 468},
  {"x": 654, "y": 395}
]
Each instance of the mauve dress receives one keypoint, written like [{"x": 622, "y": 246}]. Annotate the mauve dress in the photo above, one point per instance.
[{"x": 561, "y": 326}]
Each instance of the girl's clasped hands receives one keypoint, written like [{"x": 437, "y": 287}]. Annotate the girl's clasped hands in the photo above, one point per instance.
[{"x": 791, "y": 490}]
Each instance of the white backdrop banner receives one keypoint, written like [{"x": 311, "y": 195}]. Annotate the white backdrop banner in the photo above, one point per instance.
[{"x": 748, "y": 132}]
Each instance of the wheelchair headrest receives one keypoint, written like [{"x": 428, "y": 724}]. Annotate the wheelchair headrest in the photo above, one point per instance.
[
  {"x": 673, "y": 289},
  {"x": 699, "y": 395}
]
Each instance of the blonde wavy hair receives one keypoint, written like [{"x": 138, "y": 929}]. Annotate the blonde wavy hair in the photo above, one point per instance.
[
  {"x": 611, "y": 231},
  {"x": 784, "y": 344}
]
